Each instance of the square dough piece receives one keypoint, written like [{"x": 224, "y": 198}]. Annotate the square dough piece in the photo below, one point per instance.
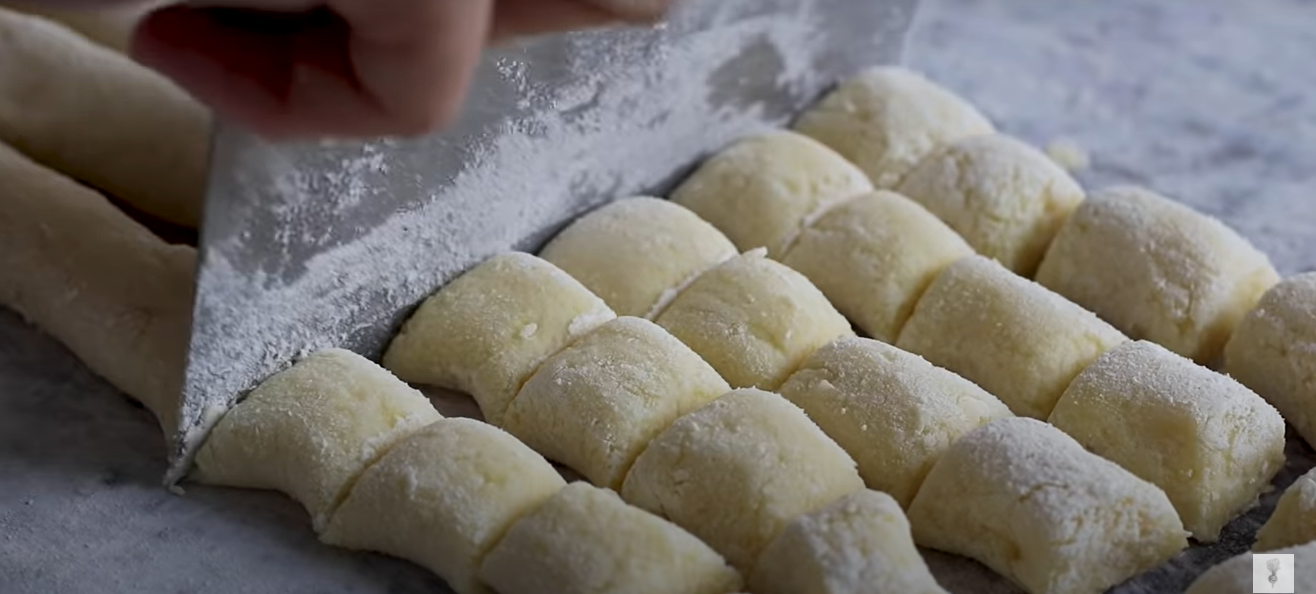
[
  {"x": 1029, "y": 502},
  {"x": 1210, "y": 443},
  {"x": 1294, "y": 519},
  {"x": 1238, "y": 574},
  {"x": 1273, "y": 351}
]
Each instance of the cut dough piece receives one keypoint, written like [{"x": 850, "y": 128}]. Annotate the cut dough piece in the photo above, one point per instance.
[
  {"x": 636, "y": 253},
  {"x": 1158, "y": 270},
  {"x": 874, "y": 256},
  {"x": 310, "y": 430},
  {"x": 763, "y": 191},
  {"x": 488, "y": 330},
  {"x": 586, "y": 540},
  {"x": 888, "y": 118},
  {"x": 1238, "y": 574},
  {"x": 596, "y": 405},
  {"x": 858, "y": 545},
  {"x": 110, "y": 27},
  {"x": 1029, "y": 502},
  {"x": 1273, "y": 351},
  {"x": 735, "y": 472},
  {"x": 892, "y": 411},
  {"x": 1211, "y": 444},
  {"x": 1294, "y": 519},
  {"x": 443, "y": 497},
  {"x": 1005, "y": 333},
  {"x": 99, "y": 117},
  {"x": 1007, "y": 199},
  {"x": 754, "y": 320}
]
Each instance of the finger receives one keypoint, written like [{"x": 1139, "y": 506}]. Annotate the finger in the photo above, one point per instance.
[{"x": 518, "y": 18}]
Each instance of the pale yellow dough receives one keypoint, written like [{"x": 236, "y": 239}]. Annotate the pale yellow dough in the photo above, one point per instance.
[
  {"x": 858, "y": 545},
  {"x": 1236, "y": 575},
  {"x": 1005, "y": 333},
  {"x": 874, "y": 256},
  {"x": 1294, "y": 519},
  {"x": 586, "y": 540},
  {"x": 886, "y": 119},
  {"x": 892, "y": 411},
  {"x": 443, "y": 497},
  {"x": 1006, "y": 198},
  {"x": 637, "y": 252},
  {"x": 1157, "y": 269},
  {"x": 110, "y": 27},
  {"x": 735, "y": 472},
  {"x": 310, "y": 430},
  {"x": 754, "y": 320},
  {"x": 1029, "y": 502},
  {"x": 763, "y": 190},
  {"x": 597, "y": 404},
  {"x": 488, "y": 330},
  {"x": 1273, "y": 351}
]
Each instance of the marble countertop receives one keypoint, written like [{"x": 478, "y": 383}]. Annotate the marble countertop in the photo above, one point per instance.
[{"x": 1213, "y": 105}]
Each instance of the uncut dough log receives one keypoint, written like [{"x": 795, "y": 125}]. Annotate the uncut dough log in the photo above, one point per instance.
[
  {"x": 1017, "y": 340},
  {"x": 309, "y": 430},
  {"x": 886, "y": 119},
  {"x": 1236, "y": 575},
  {"x": 892, "y": 411},
  {"x": 1005, "y": 198},
  {"x": 1294, "y": 520},
  {"x": 754, "y": 320},
  {"x": 764, "y": 190},
  {"x": 443, "y": 497},
  {"x": 1157, "y": 269},
  {"x": 485, "y": 332},
  {"x": 1029, "y": 502},
  {"x": 874, "y": 256},
  {"x": 1273, "y": 351},
  {"x": 860, "y": 544},
  {"x": 102, "y": 119},
  {"x": 637, "y": 252},
  {"x": 586, "y": 540},
  {"x": 735, "y": 472},
  {"x": 100, "y": 283},
  {"x": 1211, "y": 444},
  {"x": 110, "y": 27},
  {"x": 595, "y": 406}
]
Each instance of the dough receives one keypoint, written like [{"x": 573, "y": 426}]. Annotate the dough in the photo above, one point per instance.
[
  {"x": 1237, "y": 575},
  {"x": 635, "y": 253},
  {"x": 443, "y": 497},
  {"x": 1273, "y": 351},
  {"x": 110, "y": 27},
  {"x": 1007, "y": 199},
  {"x": 763, "y": 191},
  {"x": 309, "y": 430},
  {"x": 596, "y": 405},
  {"x": 1158, "y": 270},
  {"x": 1030, "y": 503},
  {"x": 754, "y": 320},
  {"x": 1211, "y": 444},
  {"x": 735, "y": 472},
  {"x": 1294, "y": 519},
  {"x": 874, "y": 256},
  {"x": 858, "y": 545},
  {"x": 886, "y": 119},
  {"x": 100, "y": 283},
  {"x": 488, "y": 330},
  {"x": 98, "y": 117},
  {"x": 892, "y": 411},
  {"x": 586, "y": 540},
  {"x": 1005, "y": 333}
]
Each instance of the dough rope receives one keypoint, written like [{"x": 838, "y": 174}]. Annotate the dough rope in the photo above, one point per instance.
[{"x": 108, "y": 27}]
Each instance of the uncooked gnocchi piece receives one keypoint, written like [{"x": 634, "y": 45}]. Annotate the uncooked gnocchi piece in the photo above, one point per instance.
[
  {"x": 754, "y": 320},
  {"x": 1005, "y": 333},
  {"x": 1238, "y": 574},
  {"x": 1029, "y": 502},
  {"x": 1157, "y": 269},
  {"x": 1294, "y": 520},
  {"x": 1273, "y": 351},
  {"x": 1007, "y": 199},
  {"x": 597, "y": 404},
  {"x": 309, "y": 430},
  {"x": 888, "y": 118},
  {"x": 735, "y": 472},
  {"x": 637, "y": 253},
  {"x": 488, "y": 330},
  {"x": 874, "y": 256},
  {"x": 892, "y": 411},
  {"x": 763, "y": 191},
  {"x": 860, "y": 544},
  {"x": 1211, "y": 444},
  {"x": 586, "y": 540}
]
